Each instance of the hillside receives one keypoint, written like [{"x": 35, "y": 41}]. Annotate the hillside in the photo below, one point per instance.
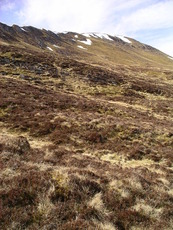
[{"x": 86, "y": 132}]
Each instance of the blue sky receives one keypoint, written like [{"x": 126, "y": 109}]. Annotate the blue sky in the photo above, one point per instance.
[{"x": 149, "y": 21}]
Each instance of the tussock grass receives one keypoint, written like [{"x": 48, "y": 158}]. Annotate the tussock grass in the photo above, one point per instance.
[{"x": 97, "y": 140}]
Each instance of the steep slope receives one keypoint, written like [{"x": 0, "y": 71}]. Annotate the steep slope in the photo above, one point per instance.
[
  {"x": 86, "y": 132},
  {"x": 99, "y": 49}
]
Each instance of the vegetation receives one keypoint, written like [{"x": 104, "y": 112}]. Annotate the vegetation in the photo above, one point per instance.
[{"x": 84, "y": 146}]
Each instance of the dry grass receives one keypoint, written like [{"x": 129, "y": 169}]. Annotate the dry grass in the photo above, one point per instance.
[
  {"x": 85, "y": 145},
  {"x": 148, "y": 210}
]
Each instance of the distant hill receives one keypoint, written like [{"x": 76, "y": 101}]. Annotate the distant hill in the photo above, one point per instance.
[{"x": 94, "y": 48}]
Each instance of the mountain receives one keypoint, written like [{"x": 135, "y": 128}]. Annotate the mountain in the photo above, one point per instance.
[
  {"x": 94, "y": 48},
  {"x": 86, "y": 131}
]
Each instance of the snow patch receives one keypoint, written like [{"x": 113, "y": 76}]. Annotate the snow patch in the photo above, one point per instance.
[
  {"x": 87, "y": 35},
  {"x": 87, "y": 42},
  {"x": 81, "y": 47},
  {"x": 76, "y": 36},
  {"x": 56, "y": 46},
  {"x": 93, "y": 35},
  {"x": 106, "y": 36},
  {"x": 64, "y": 32},
  {"x": 97, "y": 35},
  {"x": 90, "y": 35},
  {"x": 49, "y": 48},
  {"x": 103, "y": 36},
  {"x": 123, "y": 38},
  {"x": 23, "y": 29},
  {"x": 170, "y": 58}
]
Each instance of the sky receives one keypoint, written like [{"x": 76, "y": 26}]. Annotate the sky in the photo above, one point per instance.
[{"x": 148, "y": 21}]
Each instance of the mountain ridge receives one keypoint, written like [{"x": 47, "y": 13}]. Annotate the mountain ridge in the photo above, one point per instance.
[{"x": 131, "y": 52}]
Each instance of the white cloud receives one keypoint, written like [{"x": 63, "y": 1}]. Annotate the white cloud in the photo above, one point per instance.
[
  {"x": 71, "y": 15},
  {"x": 110, "y": 16},
  {"x": 154, "y": 16},
  {"x": 150, "y": 23},
  {"x": 6, "y": 5},
  {"x": 165, "y": 45},
  {"x": 76, "y": 15}
]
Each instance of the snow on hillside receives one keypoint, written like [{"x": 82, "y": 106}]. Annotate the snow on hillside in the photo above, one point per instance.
[
  {"x": 64, "y": 32},
  {"x": 87, "y": 35},
  {"x": 98, "y": 35},
  {"x": 23, "y": 29},
  {"x": 123, "y": 38},
  {"x": 56, "y": 46},
  {"x": 87, "y": 42},
  {"x": 81, "y": 47},
  {"x": 49, "y": 48},
  {"x": 103, "y": 36}
]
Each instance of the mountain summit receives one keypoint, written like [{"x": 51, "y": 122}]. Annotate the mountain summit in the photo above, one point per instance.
[{"x": 86, "y": 131}]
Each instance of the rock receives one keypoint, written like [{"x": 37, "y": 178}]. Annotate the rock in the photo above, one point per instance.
[
  {"x": 22, "y": 76},
  {"x": 18, "y": 145},
  {"x": 3, "y": 73}
]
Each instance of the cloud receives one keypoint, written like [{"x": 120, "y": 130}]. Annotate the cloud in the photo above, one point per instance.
[
  {"x": 77, "y": 15},
  {"x": 151, "y": 17},
  {"x": 112, "y": 16},
  {"x": 165, "y": 44},
  {"x": 6, "y": 5},
  {"x": 151, "y": 23},
  {"x": 60, "y": 15}
]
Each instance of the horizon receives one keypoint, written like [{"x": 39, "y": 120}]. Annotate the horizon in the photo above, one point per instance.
[{"x": 149, "y": 21}]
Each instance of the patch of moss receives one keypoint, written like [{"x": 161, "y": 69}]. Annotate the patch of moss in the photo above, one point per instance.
[
  {"x": 61, "y": 191},
  {"x": 3, "y": 112}
]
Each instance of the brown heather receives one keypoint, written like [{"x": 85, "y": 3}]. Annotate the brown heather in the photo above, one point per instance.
[{"x": 86, "y": 141}]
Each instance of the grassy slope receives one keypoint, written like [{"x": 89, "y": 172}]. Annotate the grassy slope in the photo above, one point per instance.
[
  {"x": 96, "y": 145},
  {"x": 111, "y": 53}
]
